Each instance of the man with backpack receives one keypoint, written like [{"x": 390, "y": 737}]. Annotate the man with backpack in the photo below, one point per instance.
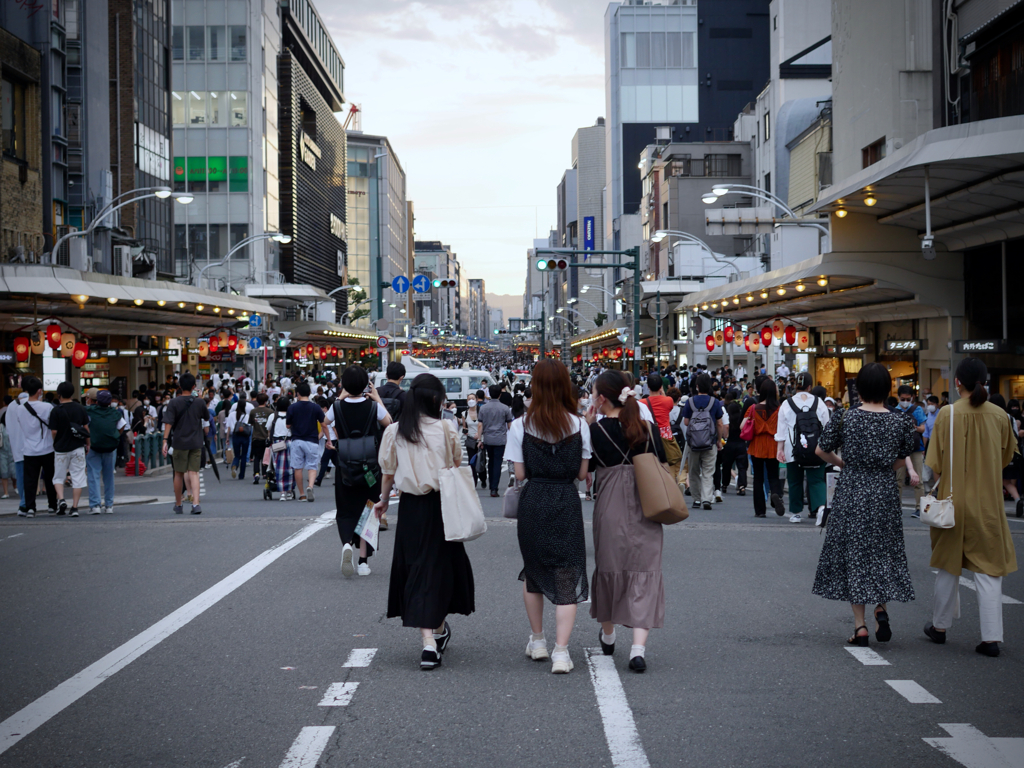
[
  {"x": 69, "y": 423},
  {"x": 661, "y": 406},
  {"x": 106, "y": 425},
  {"x": 391, "y": 393},
  {"x": 802, "y": 417},
  {"x": 183, "y": 424},
  {"x": 34, "y": 422},
  {"x": 702, "y": 416}
]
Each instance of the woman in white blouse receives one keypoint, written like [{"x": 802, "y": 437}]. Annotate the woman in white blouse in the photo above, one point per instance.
[{"x": 430, "y": 577}]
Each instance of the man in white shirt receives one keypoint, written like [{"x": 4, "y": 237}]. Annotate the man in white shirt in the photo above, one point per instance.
[
  {"x": 801, "y": 462},
  {"x": 17, "y": 446},
  {"x": 782, "y": 370},
  {"x": 37, "y": 442}
]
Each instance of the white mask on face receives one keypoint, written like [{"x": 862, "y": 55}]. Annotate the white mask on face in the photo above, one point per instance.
[
  {"x": 471, "y": 402},
  {"x": 931, "y": 408},
  {"x": 527, "y": 401}
]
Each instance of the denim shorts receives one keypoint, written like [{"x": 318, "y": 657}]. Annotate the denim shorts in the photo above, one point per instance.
[{"x": 304, "y": 455}]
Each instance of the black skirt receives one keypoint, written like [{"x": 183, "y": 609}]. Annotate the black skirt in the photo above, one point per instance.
[
  {"x": 430, "y": 577},
  {"x": 351, "y": 501}
]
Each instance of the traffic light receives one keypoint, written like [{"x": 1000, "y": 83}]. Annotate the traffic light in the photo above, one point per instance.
[
  {"x": 444, "y": 283},
  {"x": 283, "y": 337},
  {"x": 550, "y": 265}
]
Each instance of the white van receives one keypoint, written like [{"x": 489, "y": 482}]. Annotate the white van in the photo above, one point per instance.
[{"x": 458, "y": 383}]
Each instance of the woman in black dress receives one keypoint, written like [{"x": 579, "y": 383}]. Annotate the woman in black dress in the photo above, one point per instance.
[
  {"x": 550, "y": 449},
  {"x": 355, "y": 416}
]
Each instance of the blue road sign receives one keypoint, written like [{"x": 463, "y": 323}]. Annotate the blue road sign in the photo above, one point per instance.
[
  {"x": 400, "y": 284},
  {"x": 421, "y": 283},
  {"x": 255, "y": 342},
  {"x": 255, "y": 321},
  {"x": 436, "y": 332}
]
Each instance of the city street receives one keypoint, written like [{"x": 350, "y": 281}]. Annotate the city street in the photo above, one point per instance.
[{"x": 231, "y": 639}]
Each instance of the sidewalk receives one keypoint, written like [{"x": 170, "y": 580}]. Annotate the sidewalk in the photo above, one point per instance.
[{"x": 127, "y": 491}]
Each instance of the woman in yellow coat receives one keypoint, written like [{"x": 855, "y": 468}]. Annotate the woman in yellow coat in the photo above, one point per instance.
[{"x": 983, "y": 443}]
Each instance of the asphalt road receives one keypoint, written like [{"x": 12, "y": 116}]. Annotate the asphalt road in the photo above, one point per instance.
[{"x": 148, "y": 639}]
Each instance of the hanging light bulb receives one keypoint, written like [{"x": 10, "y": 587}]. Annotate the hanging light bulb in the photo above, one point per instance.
[
  {"x": 823, "y": 281},
  {"x": 870, "y": 200},
  {"x": 736, "y": 300},
  {"x": 800, "y": 287},
  {"x": 763, "y": 294},
  {"x": 781, "y": 290},
  {"x": 749, "y": 297},
  {"x": 841, "y": 213}
]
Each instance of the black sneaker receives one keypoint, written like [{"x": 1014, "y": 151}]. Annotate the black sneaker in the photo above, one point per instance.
[
  {"x": 934, "y": 634},
  {"x": 430, "y": 659},
  {"x": 606, "y": 649},
  {"x": 196, "y": 509},
  {"x": 780, "y": 508},
  {"x": 637, "y": 664},
  {"x": 443, "y": 639},
  {"x": 62, "y": 507},
  {"x": 178, "y": 510},
  {"x": 707, "y": 505},
  {"x": 988, "y": 649},
  {"x": 687, "y": 491},
  {"x": 74, "y": 512}
]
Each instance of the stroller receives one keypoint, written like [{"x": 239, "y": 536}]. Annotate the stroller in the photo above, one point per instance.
[
  {"x": 279, "y": 466},
  {"x": 269, "y": 482}
]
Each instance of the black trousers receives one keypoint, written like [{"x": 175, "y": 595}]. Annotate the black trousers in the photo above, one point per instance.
[
  {"x": 258, "y": 449},
  {"x": 761, "y": 466},
  {"x": 735, "y": 452},
  {"x": 326, "y": 459},
  {"x": 495, "y": 455},
  {"x": 33, "y": 466}
]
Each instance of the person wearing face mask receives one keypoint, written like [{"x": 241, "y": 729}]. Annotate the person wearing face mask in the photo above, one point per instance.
[
  {"x": 916, "y": 413},
  {"x": 469, "y": 427},
  {"x": 931, "y": 411}
]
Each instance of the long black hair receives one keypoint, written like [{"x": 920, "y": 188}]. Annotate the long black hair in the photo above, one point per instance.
[
  {"x": 240, "y": 407},
  {"x": 769, "y": 396},
  {"x": 972, "y": 374},
  {"x": 424, "y": 400}
]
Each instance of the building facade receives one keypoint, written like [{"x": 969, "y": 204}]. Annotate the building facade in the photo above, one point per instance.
[
  {"x": 477, "y": 314},
  {"x": 440, "y": 307}
]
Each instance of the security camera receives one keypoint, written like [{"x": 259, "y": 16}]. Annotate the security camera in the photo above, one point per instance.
[{"x": 928, "y": 248}]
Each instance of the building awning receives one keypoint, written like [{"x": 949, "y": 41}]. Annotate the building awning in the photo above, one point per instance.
[
  {"x": 326, "y": 332},
  {"x": 289, "y": 293},
  {"x": 976, "y": 184},
  {"x": 599, "y": 337},
  {"x": 840, "y": 289},
  {"x": 31, "y": 291}
]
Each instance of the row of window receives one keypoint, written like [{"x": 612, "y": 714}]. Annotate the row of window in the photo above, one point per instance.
[
  {"x": 211, "y": 174},
  {"x": 220, "y": 109},
  {"x": 658, "y": 50},
  {"x": 213, "y": 43},
  {"x": 12, "y": 119}
]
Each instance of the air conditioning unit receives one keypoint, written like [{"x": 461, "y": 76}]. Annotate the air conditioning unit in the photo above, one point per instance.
[{"x": 122, "y": 261}]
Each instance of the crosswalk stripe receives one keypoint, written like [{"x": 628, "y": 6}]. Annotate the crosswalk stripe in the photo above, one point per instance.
[
  {"x": 360, "y": 657},
  {"x": 308, "y": 746},
  {"x": 912, "y": 692},
  {"x": 339, "y": 695},
  {"x": 867, "y": 657},
  {"x": 619, "y": 727}
]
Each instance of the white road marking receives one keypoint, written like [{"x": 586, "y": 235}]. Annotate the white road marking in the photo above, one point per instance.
[
  {"x": 912, "y": 692},
  {"x": 867, "y": 657},
  {"x": 969, "y": 583},
  {"x": 970, "y": 747},
  {"x": 13, "y": 536},
  {"x": 22, "y": 723},
  {"x": 616, "y": 716},
  {"x": 339, "y": 695},
  {"x": 360, "y": 657},
  {"x": 308, "y": 746},
  {"x": 235, "y": 764}
]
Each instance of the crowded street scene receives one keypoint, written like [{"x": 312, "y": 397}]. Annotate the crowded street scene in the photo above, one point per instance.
[{"x": 317, "y": 451}]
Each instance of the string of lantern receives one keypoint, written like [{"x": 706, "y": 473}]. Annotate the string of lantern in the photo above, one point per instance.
[{"x": 54, "y": 337}]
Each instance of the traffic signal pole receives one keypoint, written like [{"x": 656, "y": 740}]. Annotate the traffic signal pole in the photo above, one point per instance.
[{"x": 632, "y": 253}]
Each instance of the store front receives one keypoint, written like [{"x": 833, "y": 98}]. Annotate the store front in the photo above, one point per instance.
[{"x": 603, "y": 346}]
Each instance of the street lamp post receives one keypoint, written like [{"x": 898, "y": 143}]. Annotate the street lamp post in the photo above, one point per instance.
[
  {"x": 275, "y": 236},
  {"x": 721, "y": 190}
]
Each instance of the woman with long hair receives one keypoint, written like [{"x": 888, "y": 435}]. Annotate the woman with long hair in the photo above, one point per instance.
[
  {"x": 763, "y": 448},
  {"x": 550, "y": 449},
  {"x": 238, "y": 427},
  {"x": 430, "y": 577},
  {"x": 469, "y": 421},
  {"x": 627, "y": 582},
  {"x": 864, "y": 558},
  {"x": 983, "y": 443}
]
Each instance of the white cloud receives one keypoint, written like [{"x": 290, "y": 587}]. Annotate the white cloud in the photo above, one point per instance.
[{"x": 480, "y": 99}]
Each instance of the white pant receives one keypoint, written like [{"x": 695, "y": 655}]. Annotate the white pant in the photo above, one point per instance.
[
  {"x": 74, "y": 462},
  {"x": 990, "y": 603},
  {"x": 702, "y": 474}
]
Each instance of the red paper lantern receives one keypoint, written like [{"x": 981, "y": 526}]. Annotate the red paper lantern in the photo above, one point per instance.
[
  {"x": 746, "y": 341},
  {"x": 296, "y": 354},
  {"x": 766, "y": 336},
  {"x": 790, "y": 334},
  {"x": 709, "y": 342},
  {"x": 334, "y": 351},
  {"x": 309, "y": 350},
  {"x": 232, "y": 342},
  {"x": 53, "y": 334},
  {"x": 21, "y": 348},
  {"x": 730, "y": 334},
  {"x": 214, "y": 343},
  {"x": 80, "y": 355}
]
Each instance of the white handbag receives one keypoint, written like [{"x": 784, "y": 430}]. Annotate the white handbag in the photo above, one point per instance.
[
  {"x": 935, "y": 512},
  {"x": 460, "y": 506}
]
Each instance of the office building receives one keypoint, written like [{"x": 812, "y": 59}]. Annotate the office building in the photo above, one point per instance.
[
  {"x": 477, "y": 314},
  {"x": 440, "y": 307},
  {"x": 378, "y": 245},
  {"x": 680, "y": 66},
  {"x": 496, "y": 320}
]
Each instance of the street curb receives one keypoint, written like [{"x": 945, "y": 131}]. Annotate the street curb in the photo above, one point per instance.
[{"x": 123, "y": 501}]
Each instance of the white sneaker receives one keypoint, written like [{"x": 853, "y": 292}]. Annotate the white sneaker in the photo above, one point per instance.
[
  {"x": 363, "y": 569},
  {"x": 285, "y": 496},
  {"x": 537, "y": 649},
  {"x": 346, "y": 561},
  {"x": 718, "y": 496},
  {"x": 795, "y": 518},
  {"x": 561, "y": 664},
  {"x": 820, "y": 517},
  {"x": 96, "y": 511},
  {"x": 108, "y": 510}
]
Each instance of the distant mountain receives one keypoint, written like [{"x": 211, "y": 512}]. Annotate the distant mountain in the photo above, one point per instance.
[{"x": 511, "y": 306}]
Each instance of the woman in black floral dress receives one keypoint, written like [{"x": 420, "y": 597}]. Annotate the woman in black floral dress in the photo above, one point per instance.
[{"x": 864, "y": 559}]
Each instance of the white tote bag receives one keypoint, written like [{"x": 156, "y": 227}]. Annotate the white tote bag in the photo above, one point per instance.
[
  {"x": 939, "y": 513},
  {"x": 460, "y": 506}
]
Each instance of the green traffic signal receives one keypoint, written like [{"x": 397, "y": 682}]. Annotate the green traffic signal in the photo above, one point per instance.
[
  {"x": 495, "y": 331},
  {"x": 542, "y": 264},
  {"x": 437, "y": 283}
]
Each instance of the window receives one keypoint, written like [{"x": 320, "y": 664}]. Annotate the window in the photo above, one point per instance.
[
  {"x": 178, "y": 45},
  {"x": 239, "y": 108},
  {"x": 217, "y": 49},
  {"x": 197, "y": 108},
  {"x": 872, "y": 153},
  {"x": 768, "y": 183},
  {"x": 643, "y": 50},
  {"x": 196, "y": 43},
  {"x": 197, "y": 174},
  {"x": 658, "y": 50},
  {"x": 767, "y": 125},
  {"x": 453, "y": 385},
  {"x": 238, "y": 44},
  {"x": 219, "y": 108},
  {"x": 71, "y": 19},
  {"x": 238, "y": 174},
  {"x": 178, "y": 107},
  {"x": 238, "y": 233},
  {"x": 12, "y": 115},
  {"x": 722, "y": 165},
  {"x": 218, "y": 242},
  {"x": 674, "y": 46},
  {"x": 216, "y": 178}
]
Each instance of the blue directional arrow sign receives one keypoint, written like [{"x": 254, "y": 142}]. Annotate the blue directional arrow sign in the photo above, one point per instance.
[
  {"x": 255, "y": 342},
  {"x": 255, "y": 321},
  {"x": 400, "y": 284},
  {"x": 421, "y": 283}
]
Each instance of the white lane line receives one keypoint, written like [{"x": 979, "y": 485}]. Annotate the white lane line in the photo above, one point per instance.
[
  {"x": 969, "y": 746},
  {"x": 12, "y": 536},
  {"x": 235, "y": 764},
  {"x": 22, "y": 723},
  {"x": 969, "y": 583},
  {"x": 308, "y": 746},
  {"x": 360, "y": 657},
  {"x": 867, "y": 657},
  {"x": 912, "y": 692},
  {"x": 339, "y": 695},
  {"x": 616, "y": 716}
]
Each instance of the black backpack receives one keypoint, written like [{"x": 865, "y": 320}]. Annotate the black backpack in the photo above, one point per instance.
[
  {"x": 356, "y": 456},
  {"x": 806, "y": 432},
  {"x": 393, "y": 405}
]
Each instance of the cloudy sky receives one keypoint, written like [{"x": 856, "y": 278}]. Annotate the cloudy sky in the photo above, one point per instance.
[{"x": 480, "y": 100}]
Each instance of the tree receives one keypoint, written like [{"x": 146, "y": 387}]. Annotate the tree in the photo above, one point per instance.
[
  {"x": 355, "y": 299},
  {"x": 601, "y": 317}
]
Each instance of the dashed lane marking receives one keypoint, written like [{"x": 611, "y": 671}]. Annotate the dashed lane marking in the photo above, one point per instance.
[
  {"x": 972, "y": 748},
  {"x": 867, "y": 657},
  {"x": 912, "y": 692},
  {"x": 339, "y": 695},
  {"x": 308, "y": 746},
  {"x": 619, "y": 727},
  {"x": 360, "y": 657},
  {"x": 25, "y": 721},
  {"x": 12, "y": 536}
]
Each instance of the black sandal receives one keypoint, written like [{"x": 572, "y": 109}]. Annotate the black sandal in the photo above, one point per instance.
[
  {"x": 884, "y": 633},
  {"x": 741, "y": 491},
  {"x": 857, "y": 639}
]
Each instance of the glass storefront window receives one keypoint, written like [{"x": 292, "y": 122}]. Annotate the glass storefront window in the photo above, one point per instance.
[
  {"x": 178, "y": 107},
  {"x": 238, "y": 43},
  {"x": 239, "y": 109},
  {"x": 197, "y": 107},
  {"x": 196, "y": 43},
  {"x": 217, "y": 38}
]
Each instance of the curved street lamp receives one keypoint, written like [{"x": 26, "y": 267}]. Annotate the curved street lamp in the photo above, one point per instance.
[
  {"x": 661, "y": 234},
  {"x": 275, "y": 236},
  {"x": 720, "y": 190}
]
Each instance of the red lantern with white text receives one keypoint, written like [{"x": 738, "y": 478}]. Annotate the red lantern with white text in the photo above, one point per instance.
[
  {"x": 729, "y": 333},
  {"x": 80, "y": 354},
  {"x": 746, "y": 341},
  {"x": 21, "y": 348},
  {"x": 334, "y": 351},
  {"x": 790, "y": 334},
  {"x": 53, "y": 335},
  {"x": 296, "y": 354},
  {"x": 766, "y": 336},
  {"x": 709, "y": 342},
  {"x": 232, "y": 342},
  {"x": 309, "y": 350}
]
